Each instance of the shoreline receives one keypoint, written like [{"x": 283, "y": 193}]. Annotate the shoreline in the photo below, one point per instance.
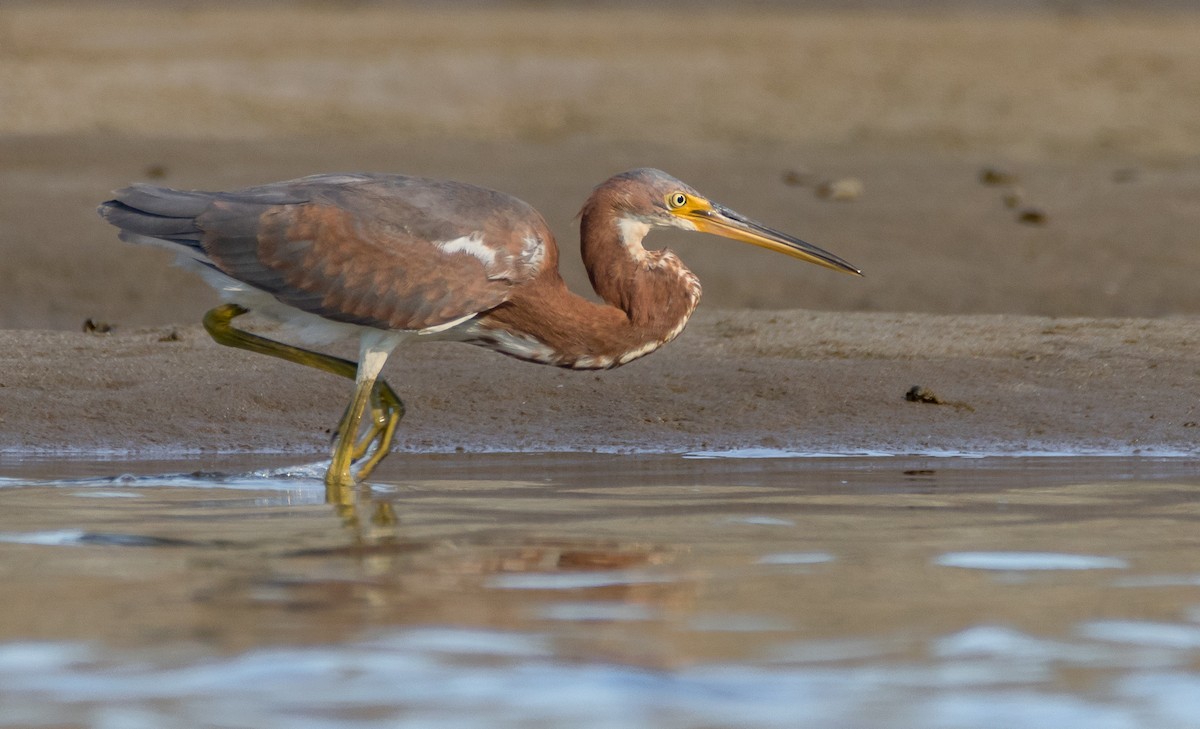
[{"x": 1048, "y": 451}]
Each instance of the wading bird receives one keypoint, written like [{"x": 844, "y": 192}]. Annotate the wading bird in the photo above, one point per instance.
[{"x": 393, "y": 259}]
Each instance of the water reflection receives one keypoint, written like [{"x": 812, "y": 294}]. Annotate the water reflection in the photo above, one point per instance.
[
  {"x": 480, "y": 678},
  {"x": 605, "y": 591}
]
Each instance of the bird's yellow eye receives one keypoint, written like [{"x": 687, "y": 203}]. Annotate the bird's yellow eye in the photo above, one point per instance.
[{"x": 677, "y": 200}]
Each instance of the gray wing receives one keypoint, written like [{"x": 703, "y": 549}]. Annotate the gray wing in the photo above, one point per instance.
[{"x": 379, "y": 250}]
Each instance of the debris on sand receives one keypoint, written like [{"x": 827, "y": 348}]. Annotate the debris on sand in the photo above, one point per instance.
[
  {"x": 841, "y": 190},
  {"x": 797, "y": 178},
  {"x": 918, "y": 393},
  {"x": 1032, "y": 216},
  {"x": 996, "y": 177},
  {"x": 1013, "y": 196},
  {"x": 95, "y": 326}
]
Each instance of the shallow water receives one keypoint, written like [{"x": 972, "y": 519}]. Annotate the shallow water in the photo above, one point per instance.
[{"x": 603, "y": 591}]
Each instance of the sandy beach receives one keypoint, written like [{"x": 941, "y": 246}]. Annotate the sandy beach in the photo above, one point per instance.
[{"x": 1030, "y": 196}]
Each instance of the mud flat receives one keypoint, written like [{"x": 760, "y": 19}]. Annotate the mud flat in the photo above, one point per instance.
[
  {"x": 1025, "y": 183},
  {"x": 797, "y": 381}
]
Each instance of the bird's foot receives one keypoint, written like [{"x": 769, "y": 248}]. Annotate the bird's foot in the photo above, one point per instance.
[
  {"x": 386, "y": 412},
  {"x": 374, "y": 444}
]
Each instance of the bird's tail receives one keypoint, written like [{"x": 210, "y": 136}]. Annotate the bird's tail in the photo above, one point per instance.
[{"x": 159, "y": 216}]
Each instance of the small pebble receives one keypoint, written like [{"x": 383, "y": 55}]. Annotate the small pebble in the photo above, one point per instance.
[
  {"x": 1032, "y": 216},
  {"x": 845, "y": 189},
  {"x": 92, "y": 326},
  {"x": 995, "y": 176},
  {"x": 916, "y": 393},
  {"x": 797, "y": 178}
]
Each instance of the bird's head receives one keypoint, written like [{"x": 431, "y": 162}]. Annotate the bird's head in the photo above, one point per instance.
[{"x": 652, "y": 198}]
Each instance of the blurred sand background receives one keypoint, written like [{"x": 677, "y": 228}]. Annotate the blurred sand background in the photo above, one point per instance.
[{"x": 1024, "y": 161}]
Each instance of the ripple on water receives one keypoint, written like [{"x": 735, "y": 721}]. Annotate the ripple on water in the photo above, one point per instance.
[
  {"x": 796, "y": 558},
  {"x": 752, "y": 574},
  {"x": 481, "y": 678},
  {"x": 300, "y": 479},
  {"x": 1020, "y": 561},
  {"x": 55, "y": 538},
  {"x": 606, "y": 612},
  {"x": 1165, "y": 635},
  {"x": 573, "y": 580}
]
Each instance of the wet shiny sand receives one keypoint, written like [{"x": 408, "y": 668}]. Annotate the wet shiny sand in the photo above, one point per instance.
[{"x": 597, "y": 591}]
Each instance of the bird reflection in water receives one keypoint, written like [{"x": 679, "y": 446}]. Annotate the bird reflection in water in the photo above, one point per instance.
[{"x": 501, "y": 579}]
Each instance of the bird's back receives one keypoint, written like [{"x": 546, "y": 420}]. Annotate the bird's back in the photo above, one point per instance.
[{"x": 387, "y": 251}]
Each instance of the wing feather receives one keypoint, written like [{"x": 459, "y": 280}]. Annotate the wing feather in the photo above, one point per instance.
[{"x": 385, "y": 251}]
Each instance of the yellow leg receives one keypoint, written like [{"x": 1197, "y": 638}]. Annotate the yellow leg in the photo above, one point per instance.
[
  {"x": 386, "y": 411},
  {"x": 374, "y": 348},
  {"x": 343, "y": 443},
  {"x": 385, "y": 406}
]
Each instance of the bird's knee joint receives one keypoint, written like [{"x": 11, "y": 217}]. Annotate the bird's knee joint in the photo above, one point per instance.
[{"x": 216, "y": 320}]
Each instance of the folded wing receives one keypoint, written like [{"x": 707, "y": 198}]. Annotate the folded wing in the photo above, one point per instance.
[{"x": 386, "y": 251}]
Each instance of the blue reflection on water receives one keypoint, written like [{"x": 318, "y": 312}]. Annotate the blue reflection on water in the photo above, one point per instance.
[{"x": 983, "y": 677}]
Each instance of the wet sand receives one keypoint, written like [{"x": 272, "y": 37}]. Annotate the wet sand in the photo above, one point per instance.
[
  {"x": 794, "y": 381},
  {"x": 1065, "y": 321}
]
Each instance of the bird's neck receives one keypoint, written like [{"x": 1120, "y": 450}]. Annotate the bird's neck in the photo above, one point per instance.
[{"x": 648, "y": 298}]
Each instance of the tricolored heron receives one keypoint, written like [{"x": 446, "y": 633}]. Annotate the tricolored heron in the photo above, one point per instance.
[{"x": 395, "y": 259}]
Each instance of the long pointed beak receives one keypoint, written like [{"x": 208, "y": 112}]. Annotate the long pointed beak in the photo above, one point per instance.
[{"x": 720, "y": 220}]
